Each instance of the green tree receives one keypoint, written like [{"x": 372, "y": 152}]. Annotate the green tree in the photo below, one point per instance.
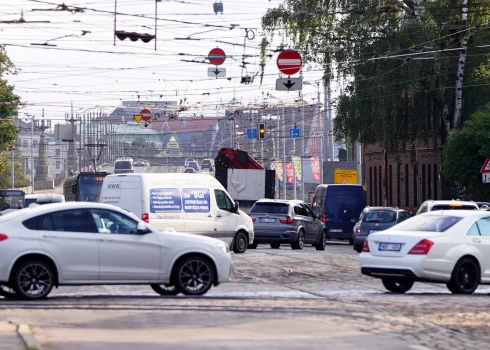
[
  {"x": 397, "y": 62},
  {"x": 465, "y": 152},
  {"x": 6, "y": 173}
]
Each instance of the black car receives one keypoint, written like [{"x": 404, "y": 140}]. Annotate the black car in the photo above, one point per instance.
[{"x": 374, "y": 219}]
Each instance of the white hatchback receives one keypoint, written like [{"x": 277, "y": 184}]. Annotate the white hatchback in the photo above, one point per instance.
[
  {"x": 78, "y": 243},
  {"x": 444, "y": 246}
]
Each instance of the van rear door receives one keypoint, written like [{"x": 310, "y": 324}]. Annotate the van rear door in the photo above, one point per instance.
[
  {"x": 354, "y": 203},
  {"x": 124, "y": 192}
]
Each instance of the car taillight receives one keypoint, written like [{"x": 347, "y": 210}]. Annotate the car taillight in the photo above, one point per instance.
[
  {"x": 324, "y": 218},
  {"x": 365, "y": 247},
  {"x": 359, "y": 230},
  {"x": 3, "y": 237},
  {"x": 289, "y": 220},
  {"x": 421, "y": 248},
  {"x": 145, "y": 217},
  {"x": 253, "y": 219}
]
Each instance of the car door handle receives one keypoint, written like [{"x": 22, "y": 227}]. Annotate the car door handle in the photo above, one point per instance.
[
  {"x": 476, "y": 240},
  {"x": 50, "y": 236},
  {"x": 210, "y": 216},
  {"x": 218, "y": 216}
]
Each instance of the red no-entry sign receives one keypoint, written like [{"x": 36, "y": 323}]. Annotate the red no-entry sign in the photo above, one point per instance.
[
  {"x": 145, "y": 115},
  {"x": 289, "y": 62},
  {"x": 216, "y": 56}
]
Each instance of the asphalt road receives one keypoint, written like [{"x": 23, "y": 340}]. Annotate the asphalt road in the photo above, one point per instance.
[{"x": 278, "y": 299}]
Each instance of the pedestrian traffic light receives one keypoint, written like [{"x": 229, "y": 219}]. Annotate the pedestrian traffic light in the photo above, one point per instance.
[{"x": 261, "y": 130}]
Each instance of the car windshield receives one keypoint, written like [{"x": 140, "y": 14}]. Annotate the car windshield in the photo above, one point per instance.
[
  {"x": 380, "y": 216},
  {"x": 270, "y": 208},
  {"x": 454, "y": 207},
  {"x": 90, "y": 191},
  {"x": 428, "y": 223},
  {"x": 123, "y": 164}
]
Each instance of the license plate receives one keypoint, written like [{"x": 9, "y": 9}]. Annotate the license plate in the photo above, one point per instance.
[
  {"x": 373, "y": 231},
  {"x": 335, "y": 230},
  {"x": 391, "y": 247},
  {"x": 267, "y": 220}
]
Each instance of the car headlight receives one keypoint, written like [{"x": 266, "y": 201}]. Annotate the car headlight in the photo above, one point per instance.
[{"x": 223, "y": 247}]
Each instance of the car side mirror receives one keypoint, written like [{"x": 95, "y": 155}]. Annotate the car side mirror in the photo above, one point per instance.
[
  {"x": 142, "y": 228},
  {"x": 236, "y": 206}
]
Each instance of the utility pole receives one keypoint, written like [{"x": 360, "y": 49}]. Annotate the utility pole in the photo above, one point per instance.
[
  {"x": 461, "y": 65},
  {"x": 284, "y": 170},
  {"x": 303, "y": 150}
]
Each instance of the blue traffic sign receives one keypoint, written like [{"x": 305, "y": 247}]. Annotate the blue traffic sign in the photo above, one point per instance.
[
  {"x": 294, "y": 133},
  {"x": 251, "y": 133}
]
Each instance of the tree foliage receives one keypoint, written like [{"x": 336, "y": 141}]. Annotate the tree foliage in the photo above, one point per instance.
[
  {"x": 395, "y": 64},
  {"x": 466, "y": 151},
  {"x": 6, "y": 173}
]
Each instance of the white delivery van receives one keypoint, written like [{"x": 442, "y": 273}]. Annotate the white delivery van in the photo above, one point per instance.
[{"x": 191, "y": 203}]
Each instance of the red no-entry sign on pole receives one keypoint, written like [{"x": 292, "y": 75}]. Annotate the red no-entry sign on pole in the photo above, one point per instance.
[
  {"x": 216, "y": 56},
  {"x": 145, "y": 115},
  {"x": 289, "y": 62}
]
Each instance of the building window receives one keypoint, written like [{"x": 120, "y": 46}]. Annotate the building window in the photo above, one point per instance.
[
  {"x": 375, "y": 186},
  {"x": 35, "y": 143},
  {"x": 435, "y": 181},
  {"x": 58, "y": 164},
  {"x": 407, "y": 187},
  {"x": 25, "y": 143},
  {"x": 380, "y": 183},
  {"x": 390, "y": 183},
  {"x": 58, "y": 152},
  {"x": 398, "y": 186},
  {"x": 370, "y": 189},
  {"x": 423, "y": 183},
  {"x": 429, "y": 182},
  {"x": 415, "y": 186}
]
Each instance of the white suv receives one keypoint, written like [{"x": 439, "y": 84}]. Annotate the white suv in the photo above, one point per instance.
[{"x": 432, "y": 205}]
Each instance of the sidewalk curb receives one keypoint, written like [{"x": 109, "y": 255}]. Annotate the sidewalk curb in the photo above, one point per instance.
[{"x": 28, "y": 337}]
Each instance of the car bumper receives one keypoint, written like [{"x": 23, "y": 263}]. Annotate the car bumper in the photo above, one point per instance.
[
  {"x": 275, "y": 237},
  {"x": 410, "y": 267},
  {"x": 359, "y": 241},
  {"x": 225, "y": 269}
]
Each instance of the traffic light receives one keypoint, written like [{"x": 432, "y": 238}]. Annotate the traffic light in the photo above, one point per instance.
[{"x": 261, "y": 130}]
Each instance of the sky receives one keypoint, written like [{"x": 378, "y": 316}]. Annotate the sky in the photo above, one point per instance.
[{"x": 72, "y": 60}]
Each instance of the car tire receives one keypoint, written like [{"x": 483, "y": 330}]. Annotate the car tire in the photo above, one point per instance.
[
  {"x": 240, "y": 243},
  {"x": 300, "y": 241},
  {"x": 351, "y": 241},
  {"x": 252, "y": 246},
  {"x": 465, "y": 277},
  {"x": 7, "y": 292},
  {"x": 322, "y": 242},
  {"x": 196, "y": 270},
  {"x": 395, "y": 286},
  {"x": 33, "y": 280},
  {"x": 275, "y": 245},
  {"x": 164, "y": 289}
]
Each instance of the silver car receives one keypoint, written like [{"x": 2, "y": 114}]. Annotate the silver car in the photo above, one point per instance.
[{"x": 291, "y": 222}]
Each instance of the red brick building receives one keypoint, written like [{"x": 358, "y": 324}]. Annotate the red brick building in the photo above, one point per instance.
[{"x": 403, "y": 179}]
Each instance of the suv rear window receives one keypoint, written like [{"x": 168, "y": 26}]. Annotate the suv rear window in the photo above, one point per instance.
[
  {"x": 270, "y": 208},
  {"x": 380, "y": 216},
  {"x": 454, "y": 207},
  {"x": 124, "y": 164},
  {"x": 428, "y": 223}
]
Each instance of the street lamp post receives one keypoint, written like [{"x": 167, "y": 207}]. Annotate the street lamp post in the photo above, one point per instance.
[{"x": 32, "y": 150}]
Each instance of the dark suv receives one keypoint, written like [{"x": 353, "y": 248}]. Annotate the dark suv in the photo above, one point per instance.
[
  {"x": 374, "y": 219},
  {"x": 292, "y": 222}
]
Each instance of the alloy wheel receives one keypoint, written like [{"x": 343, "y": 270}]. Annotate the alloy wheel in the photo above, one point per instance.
[
  {"x": 194, "y": 276},
  {"x": 468, "y": 277},
  {"x": 34, "y": 280}
]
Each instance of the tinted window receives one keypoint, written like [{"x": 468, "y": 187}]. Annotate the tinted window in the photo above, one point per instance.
[
  {"x": 32, "y": 223},
  {"x": 109, "y": 221},
  {"x": 308, "y": 210},
  {"x": 380, "y": 216},
  {"x": 429, "y": 223},
  {"x": 454, "y": 207},
  {"x": 69, "y": 221},
  {"x": 123, "y": 164},
  {"x": 484, "y": 226},
  {"x": 300, "y": 210},
  {"x": 270, "y": 208},
  {"x": 223, "y": 201}
]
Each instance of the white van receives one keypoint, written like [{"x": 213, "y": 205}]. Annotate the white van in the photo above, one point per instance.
[
  {"x": 192, "y": 203},
  {"x": 124, "y": 165}
]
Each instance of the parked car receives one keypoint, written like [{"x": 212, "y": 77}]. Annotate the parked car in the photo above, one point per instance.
[
  {"x": 291, "y": 222},
  {"x": 374, "y": 219},
  {"x": 339, "y": 207},
  {"x": 447, "y": 246},
  {"x": 190, "y": 170},
  {"x": 68, "y": 244},
  {"x": 431, "y": 205}
]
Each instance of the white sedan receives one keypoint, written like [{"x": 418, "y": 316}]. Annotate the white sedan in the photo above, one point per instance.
[
  {"x": 451, "y": 247},
  {"x": 78, "y": 243}
]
